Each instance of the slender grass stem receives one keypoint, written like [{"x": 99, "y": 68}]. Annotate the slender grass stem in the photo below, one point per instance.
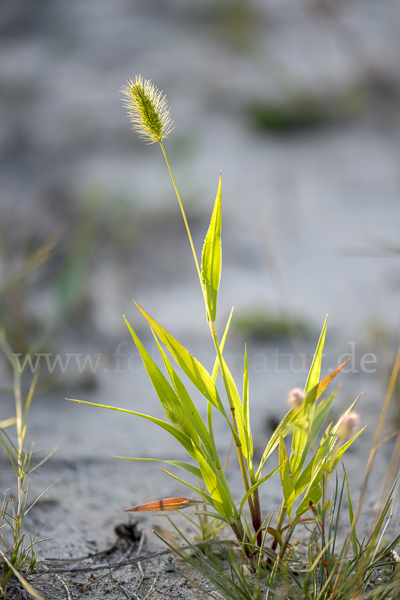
[
  {"x": 281, "y": 518},
  {"x": 324, "y": 482},
  {"x": 231, "y": 405},
  {"x": 288, "y": 537},
  {"x": 184, "y": 217},
  {"x": 257, "y": 518}
]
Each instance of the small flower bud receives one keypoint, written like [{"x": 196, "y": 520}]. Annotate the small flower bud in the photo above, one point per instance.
[
  {"x": 147, "y": 109},
  {"x": 348, "y": 425},
  {"x": 295, "y": 397}
]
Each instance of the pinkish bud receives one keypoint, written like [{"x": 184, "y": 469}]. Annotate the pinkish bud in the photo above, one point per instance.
[
  {"x": 348, "y": 425},
  {"x": 295, "y": 397}
]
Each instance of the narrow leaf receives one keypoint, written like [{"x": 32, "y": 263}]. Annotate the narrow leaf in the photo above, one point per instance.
[
  {"x": 168, "y": 398},
  {"x": 217, "y": 463},
  {"x": 211, "y": 258},
  {"x": 286, "y": 477},
  {"x": 212, "y": 438},
  {"x": 222, "y": 345},
  {"x": 320, "y": 415},
  {"x": 320, "y": 555},
  {"x": 301, "y": 438},
  {"x": 9, "y": 455},
  {"x": 312, "y": 474},
  {"x": 8, "y": 422},
  {"x": 315, "y": 369},
  {"x": 237, "y": 411},
  {"x": 246, "y": 411},
  {"x": 222, "y": 502},
  {"x": 378, "y": 525},
  {"x": 255, "y": 486},
  {"x": 165, "y": 505},
  {"x": 30, "y": 396},
  {"x": 338, "y": 454},
  {"x": 313, "y": 495},
  {"x": 284, "y": 427},
  {"x": 336, "y": 428},
  {"x": 27, "y": 586},
  {"x": 192, "y": 368},
  {"x": 175, "y": 463},
  {"x": 351, "y": 515},
  {"x": 182, "y": 438},
  {"x": 314, "y": 394},
  {"x": 185, "y": 399},
  {"x": 207, "y": 499}
]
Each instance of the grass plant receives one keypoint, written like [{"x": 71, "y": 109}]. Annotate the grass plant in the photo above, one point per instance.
[
  {"x": 19, "y": 556},
  {"x": 261, "y": 558}
]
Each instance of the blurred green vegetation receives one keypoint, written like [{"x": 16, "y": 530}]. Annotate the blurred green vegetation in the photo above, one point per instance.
[
  {"x": 305, "y": 111},
  {"x": 47, "y": 254},
  {"x": 264, "y": 325}
]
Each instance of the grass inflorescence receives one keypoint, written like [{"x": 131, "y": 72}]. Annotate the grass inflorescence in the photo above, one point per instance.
[{"x": 147, "y": 109}]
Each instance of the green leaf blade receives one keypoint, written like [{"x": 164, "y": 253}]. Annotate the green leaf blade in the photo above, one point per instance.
[
  {"x": 236, "y": 408},
  {"x": 211, "y": 258},
  {"x": 246, "y": 410},
  {"x": 192, "y": 368},
  {"x": 167, "y": 396},
  {"x": 315, "y": 369},
  {"x": 351, "y": 515},
  {"x": 179, "y": 435},
  {"x": 284, "y": 428},
  {"x": 174, "y": 463},
  {"x": 222, "y": 502},
  {"x": 286, "y": 477},
  {"x": 203, "y": 495},
  {"x": 255, "y": 486},
  {"x": 222, "y": 345},
  {"x": 185, "y": 399}
]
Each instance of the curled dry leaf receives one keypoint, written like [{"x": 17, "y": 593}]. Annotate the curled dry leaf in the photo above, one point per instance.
[{"x": 167, "y": 504}]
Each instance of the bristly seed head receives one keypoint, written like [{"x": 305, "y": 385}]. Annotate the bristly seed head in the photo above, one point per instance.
[{"x": 147, "y": 109}]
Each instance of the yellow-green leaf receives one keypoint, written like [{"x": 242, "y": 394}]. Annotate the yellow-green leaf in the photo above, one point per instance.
[
  {"x": 256, "y": 486},
  {"x": 171, "y": 404},
  {"x": 202, "y": 494},
  {"x": 8, "y": 422},
  {"x": 179, "y": 435},
  {"x": 222, "y": 502},
  {"x": 246, "y": 410},
  {"x": 175, "y": 463},
  {"x": 236, "y": 405},
  {"x": 315, "y": 369},
  {"x": 303, "y": 438},
  {"x": 192, "y": 368},
  {"x": 284, "y": 428},
  {"x": 286, "y": 477},
  {"x": 185, "y": 400},
  {"x": 221, "y": 346},
  {"x": 211, "y": 258}
]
